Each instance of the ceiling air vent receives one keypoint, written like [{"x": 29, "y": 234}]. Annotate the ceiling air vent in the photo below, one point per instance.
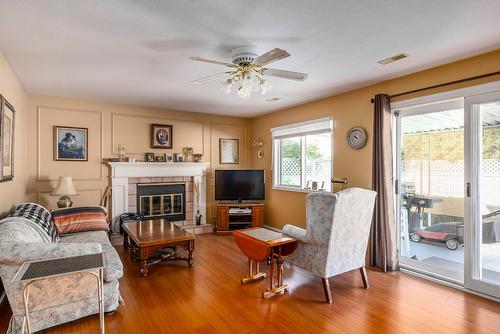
[
  {"x": 274, "y": 99},
  {"x": 393, "y": 59}
]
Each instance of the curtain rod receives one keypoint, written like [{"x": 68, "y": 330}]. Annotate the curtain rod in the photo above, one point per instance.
[{"x": 477, "y": 77}]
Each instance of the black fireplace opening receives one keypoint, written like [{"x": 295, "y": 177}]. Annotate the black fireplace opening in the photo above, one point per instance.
[{"x": 162, "y": 201}]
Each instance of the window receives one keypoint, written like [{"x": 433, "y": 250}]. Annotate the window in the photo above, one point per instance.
[{"x": 302, "y": 155}]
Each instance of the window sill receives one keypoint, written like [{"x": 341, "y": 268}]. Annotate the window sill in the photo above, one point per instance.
[{"x": 299, "y": 190}]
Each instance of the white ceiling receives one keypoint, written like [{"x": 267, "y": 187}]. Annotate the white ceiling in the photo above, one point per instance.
[{"x": 137, "y": 52}]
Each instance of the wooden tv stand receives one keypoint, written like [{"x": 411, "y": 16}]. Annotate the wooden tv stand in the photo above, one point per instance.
[{"x": 227, "y": 222}]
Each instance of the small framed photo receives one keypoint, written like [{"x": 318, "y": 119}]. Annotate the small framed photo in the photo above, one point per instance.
[
  {"x": 159, "y": 158},
  {"x": 228, "y": 151},
  {"x": 161, "y": 136},
  {"x": 179, "y": 157},
  {"x": 7, "y": 128},
  {"x": 70, "y": 143},
  {"x": 149, "y": 157},
  {"x": 169, "y": 157}
]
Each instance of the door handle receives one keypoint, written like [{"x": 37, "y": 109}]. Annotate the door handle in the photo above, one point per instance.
[{"x": 467, "y": 191}]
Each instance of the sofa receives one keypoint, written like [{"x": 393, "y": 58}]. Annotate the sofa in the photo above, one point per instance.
[{"x": 61, "y": 299}]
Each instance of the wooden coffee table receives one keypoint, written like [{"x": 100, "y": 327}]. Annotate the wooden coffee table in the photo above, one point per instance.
[
  {"x": 260, "y": 244},
  {"x": 144, "y": 239}
]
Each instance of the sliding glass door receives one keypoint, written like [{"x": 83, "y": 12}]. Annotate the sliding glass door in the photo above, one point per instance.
[
  {"x": 448, "y": 186},
  {"x": 483, "y": 195},
  {"x": 431, "y": 172}
]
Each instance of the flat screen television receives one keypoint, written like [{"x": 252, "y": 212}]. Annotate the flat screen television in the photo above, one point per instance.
[{"x": 239, "y": 185}]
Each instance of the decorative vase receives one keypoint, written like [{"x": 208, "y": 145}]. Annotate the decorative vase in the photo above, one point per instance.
[
  {"x": 198, "y": 217},
  {"x": 188, "y": 153}
]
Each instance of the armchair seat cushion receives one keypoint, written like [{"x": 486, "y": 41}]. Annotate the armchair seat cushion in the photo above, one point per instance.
[{"x": 114, "y": 266}]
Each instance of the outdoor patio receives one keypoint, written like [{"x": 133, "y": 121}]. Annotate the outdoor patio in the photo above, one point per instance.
[{"x": 432, "y": 188}]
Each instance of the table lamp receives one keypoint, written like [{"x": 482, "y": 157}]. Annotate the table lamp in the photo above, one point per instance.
[{"x": 65, "y": 188}]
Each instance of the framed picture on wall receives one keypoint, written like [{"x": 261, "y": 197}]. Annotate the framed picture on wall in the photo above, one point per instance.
[
  {"x": 228, "y": 151},
  {"x": 7, "y": 128},
  {"x": 161, "y": 136},
  {"x": 70, "y": 143}
]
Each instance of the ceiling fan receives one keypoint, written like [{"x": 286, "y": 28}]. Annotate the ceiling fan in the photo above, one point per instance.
[{"x": 246, "y": 71}]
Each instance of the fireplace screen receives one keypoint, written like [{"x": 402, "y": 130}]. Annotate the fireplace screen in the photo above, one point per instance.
[{"x": 161, "y": 201}]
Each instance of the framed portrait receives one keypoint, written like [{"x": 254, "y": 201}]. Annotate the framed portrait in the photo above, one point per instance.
[
  {"x": 70, "y": 143},
  {"x": 161, "y": 136},
  {"x": 149, "y": 157},
  {"x": 228, "y": 151},
  {"x": 7, "y": 114},
  {"x": 159, "y": 158}
]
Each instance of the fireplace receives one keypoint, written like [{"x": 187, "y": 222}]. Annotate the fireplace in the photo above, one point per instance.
[
  {"x": 128, "y": 177},
  {"x": 162, "y": 200}
]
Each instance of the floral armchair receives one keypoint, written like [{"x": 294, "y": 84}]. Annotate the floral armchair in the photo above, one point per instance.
[{"x": 336, "y": 234}]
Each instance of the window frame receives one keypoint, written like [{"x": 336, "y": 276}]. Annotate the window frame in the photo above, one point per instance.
[{"x": 298, "y": 130}]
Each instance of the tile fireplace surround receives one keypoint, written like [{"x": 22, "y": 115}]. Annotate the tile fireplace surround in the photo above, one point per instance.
[{"x": 125, "y": 176}]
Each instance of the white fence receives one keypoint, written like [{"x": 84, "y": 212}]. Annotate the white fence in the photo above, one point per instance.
[
  {"x": 445, "y": 178},
  {"x": 316, "y": 170}
]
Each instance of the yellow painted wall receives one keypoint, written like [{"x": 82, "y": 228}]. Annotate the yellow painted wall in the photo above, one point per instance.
[
  {"x": 14, "y": 192},
  {"x": 352, "y": 109},
  {"x": 108, "y": 126},
  {"x": 111, "y": 124}
]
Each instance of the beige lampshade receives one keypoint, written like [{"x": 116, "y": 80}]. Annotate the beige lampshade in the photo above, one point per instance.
[{"x": 65, "y": 187}]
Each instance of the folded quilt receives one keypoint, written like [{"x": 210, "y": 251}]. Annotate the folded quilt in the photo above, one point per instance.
[
  {"x": 14, "y": 229},
  {"x": 39, "y": 215}
]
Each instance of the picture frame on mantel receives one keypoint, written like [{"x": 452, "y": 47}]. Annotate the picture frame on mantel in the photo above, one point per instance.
[
  {"x": 229, "y": 151},
  {"x": 7, "y": 129},
  {"x": 161, "y": 136}
]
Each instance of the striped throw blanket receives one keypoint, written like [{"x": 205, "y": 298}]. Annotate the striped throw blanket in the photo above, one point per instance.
[{"x": 80, "y": 219}]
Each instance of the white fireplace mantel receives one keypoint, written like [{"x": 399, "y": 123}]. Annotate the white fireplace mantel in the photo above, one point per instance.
[{"x": 122, "y": 171}]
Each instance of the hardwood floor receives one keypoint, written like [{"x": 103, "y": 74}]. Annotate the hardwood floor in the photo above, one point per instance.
[{"x": 209, "y": 298}]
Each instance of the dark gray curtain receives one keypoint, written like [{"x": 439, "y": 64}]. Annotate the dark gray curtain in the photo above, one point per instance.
[{"x": 383, "y": 243}]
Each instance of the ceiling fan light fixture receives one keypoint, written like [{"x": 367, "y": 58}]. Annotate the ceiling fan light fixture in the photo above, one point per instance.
[
  {"x": 247, "y": 87},
  {"x": 247, "y": 71},
  {"x": 226, "y": 86},
  {"x": 265, "y": 87}
]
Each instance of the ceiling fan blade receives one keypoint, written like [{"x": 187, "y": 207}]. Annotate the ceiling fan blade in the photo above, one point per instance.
[
  {"x": 212, "y": 61},
  {"x": 284, "y": 74},
  {"x": 270, "y": 56},
  {"x": 210, "y": 77}
]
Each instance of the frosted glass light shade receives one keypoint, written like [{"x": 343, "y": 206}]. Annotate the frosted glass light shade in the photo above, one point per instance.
[{"x": 65, "y": 187}]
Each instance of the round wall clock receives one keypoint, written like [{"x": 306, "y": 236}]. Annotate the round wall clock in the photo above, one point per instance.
[{"x": 356, "y": 137}]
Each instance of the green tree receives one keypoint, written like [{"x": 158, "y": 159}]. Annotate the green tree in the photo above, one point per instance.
[
  {"x": 290, "y": 148},
  {"x": 491, "y": 143}
]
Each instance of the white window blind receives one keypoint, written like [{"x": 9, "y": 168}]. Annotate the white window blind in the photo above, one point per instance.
[{"x": 316, "y": 126}]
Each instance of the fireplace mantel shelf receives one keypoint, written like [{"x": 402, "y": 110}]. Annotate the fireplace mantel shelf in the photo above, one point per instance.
[{"x": 155, "y": 169}]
